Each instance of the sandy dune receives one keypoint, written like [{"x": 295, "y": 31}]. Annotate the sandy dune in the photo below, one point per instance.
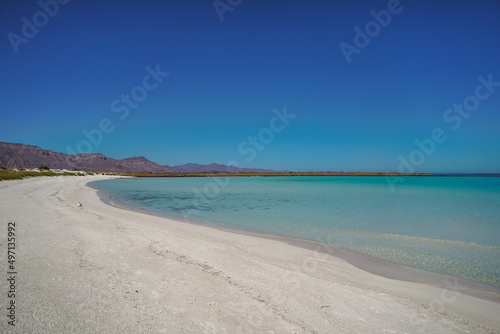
[{"x": 103, "y": 269}]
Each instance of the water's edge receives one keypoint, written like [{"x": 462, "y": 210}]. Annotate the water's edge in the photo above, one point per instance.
[{"x": 364, "y": 262}]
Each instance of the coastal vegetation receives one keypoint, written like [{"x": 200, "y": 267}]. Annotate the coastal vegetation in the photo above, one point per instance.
[{"x": 21, "y": 173}]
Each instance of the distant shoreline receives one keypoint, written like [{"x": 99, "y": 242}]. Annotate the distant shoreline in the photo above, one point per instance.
[
  {"x": 20, "y": 173},
  {"x": 254, "y": 174},
  {"x": 265, "y": 174}
]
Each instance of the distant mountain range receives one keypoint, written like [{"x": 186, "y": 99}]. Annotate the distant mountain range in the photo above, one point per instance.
[{"x": 29, "y": 156}]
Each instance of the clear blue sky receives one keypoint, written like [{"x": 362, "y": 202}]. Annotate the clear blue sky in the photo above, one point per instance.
[{"x": 225, "y": 78}]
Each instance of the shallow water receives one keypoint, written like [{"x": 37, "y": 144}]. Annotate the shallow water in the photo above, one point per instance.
[{"x": 449, "y": 225}]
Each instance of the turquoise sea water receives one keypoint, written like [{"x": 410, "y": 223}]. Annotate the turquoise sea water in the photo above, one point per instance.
[{"x": 449, "y": 225}]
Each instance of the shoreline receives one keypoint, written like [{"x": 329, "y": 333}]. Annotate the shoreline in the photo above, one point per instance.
[
  {"x": 363, "y": 262},
  {"x": 104, "y": 269}
]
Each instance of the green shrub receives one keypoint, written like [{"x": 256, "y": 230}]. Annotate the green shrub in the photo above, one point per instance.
[{"x": 21, "y": 173}]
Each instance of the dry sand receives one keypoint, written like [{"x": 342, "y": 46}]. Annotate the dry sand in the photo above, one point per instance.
[{"x": 103, "y": 269}]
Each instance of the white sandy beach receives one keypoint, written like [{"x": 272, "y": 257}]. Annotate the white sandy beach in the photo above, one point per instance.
[{"x": 103, "y": 269}]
